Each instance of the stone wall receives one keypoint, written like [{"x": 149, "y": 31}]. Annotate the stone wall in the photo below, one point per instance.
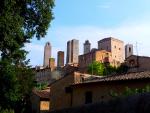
[
  {"x": 138, "y": 63},
  {"x": 134, "y": 104},
  {"x": 59, "y": 98},
  {"x": 101, "y": 91}
]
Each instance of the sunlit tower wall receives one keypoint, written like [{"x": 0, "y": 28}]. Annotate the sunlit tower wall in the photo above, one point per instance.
[
  {"x": 128, "y": 50},
  {"x": 47, "y": 54}
]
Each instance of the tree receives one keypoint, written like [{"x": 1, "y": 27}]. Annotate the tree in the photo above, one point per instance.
[
  {"x": 110, "y": 70},
  {"x": 122, "y": 69},
  {"x": 97, "y": 68},
  {"x": 20, "y": 21},
  {"x": 101, "y": 69}
]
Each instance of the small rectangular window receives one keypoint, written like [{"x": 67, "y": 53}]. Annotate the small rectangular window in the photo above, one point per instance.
[{"x": 88, "y": 97}]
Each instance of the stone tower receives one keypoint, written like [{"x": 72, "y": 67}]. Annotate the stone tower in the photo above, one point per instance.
[
  {"x": 52, "y": 63},
  {"x": 115, "y": 46},
  {"x": 72, "y": 51},
  {"x": 87, "y": 47},
  {"x": 60, "y": 59},
  {"x": 47, "y": 54},
  {"x": 128, "y": 50}
]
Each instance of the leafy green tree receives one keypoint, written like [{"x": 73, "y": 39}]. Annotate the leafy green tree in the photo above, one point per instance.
[
  {"x": 122, "y": 69},
  {"x": 97, "y": 68},
  {"x": 110, "y": 70},
  {"x": 101, "y": 69},
  {"x": 20, "y": 21}
]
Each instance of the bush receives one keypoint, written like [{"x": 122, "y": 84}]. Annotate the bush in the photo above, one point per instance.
[{"x": 6, "y": 111}]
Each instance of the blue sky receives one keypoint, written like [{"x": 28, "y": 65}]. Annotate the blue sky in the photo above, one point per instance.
[{"x": 127, "y": 20}]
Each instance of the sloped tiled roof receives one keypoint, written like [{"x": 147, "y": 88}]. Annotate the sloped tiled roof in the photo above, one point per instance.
[
  {"x": 124, "y": 77},
  {"x": 42, "y": 93}
]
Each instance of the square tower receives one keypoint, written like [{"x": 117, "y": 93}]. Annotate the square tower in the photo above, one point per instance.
[
  {"x": 87, "y": 47},
  {"x": 52, "y": 63},
  {"x": 115, "y": 46},
  {"x": 128, "y": 50},
  {"x": 60, "y": 58},
  {"x": 72, "y": 51}
]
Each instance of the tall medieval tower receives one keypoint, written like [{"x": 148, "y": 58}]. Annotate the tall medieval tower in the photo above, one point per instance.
[
  {"x": 60, "y": 59},
  {"x": 47, "y": 54},
  {"x": 87, "y": 47},
  {"x": 72, "y": 51}
]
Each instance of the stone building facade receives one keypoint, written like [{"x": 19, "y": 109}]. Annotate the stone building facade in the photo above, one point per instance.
[
  {"x": 138, "y": 63},
  {"x": 59, "y": 96},
  {"x": 40, "y": 100},
  {"x": 101, "y": 56},
  {"x": 99, "y": 90},
  {"x": 47, "y": 54},
  {"x": 60, "y": 59},
  {"x": 87, "y": 47},
  {"x": 42, "y": 75},
  {"x": 115, "y": 46},
  {"x": 72, "y": 51},
  {"x": 77, "y": 89}
]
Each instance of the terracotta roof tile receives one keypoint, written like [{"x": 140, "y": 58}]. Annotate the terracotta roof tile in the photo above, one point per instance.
[
  {"x": 129, "y": 76},
  {"x": 42, "y": 93}
]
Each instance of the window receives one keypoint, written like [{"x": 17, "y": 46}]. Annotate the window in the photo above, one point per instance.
[
  {"x": 68, "y": 89},
  {"x": 129, "y": 49},
  {"x": 88, "y": 97}
]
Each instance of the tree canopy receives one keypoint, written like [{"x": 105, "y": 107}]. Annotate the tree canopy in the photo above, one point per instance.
[
  {"x": 97, "y": 68},
  {"x": 102, "y": 69},
  {"x": 20, "y": 21}
]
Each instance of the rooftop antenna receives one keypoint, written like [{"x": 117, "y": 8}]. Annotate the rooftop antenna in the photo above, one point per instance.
[{"x": 137, "y": 56}]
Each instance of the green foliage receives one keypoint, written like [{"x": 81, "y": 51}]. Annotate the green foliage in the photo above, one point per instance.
[
  {"x": 110, "y": 70},
  {"x": 6, "y": 110},
  {"x": 16, "y": 84},
  {"x": 97, "y": 68},
  {"x": 20, "y": 20},
  {"x": 122, "y": 69},
  {"x": 101, "y": 69},
  {"x": 130, "y": 91},
  {"x": 41, "y": 86}
]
